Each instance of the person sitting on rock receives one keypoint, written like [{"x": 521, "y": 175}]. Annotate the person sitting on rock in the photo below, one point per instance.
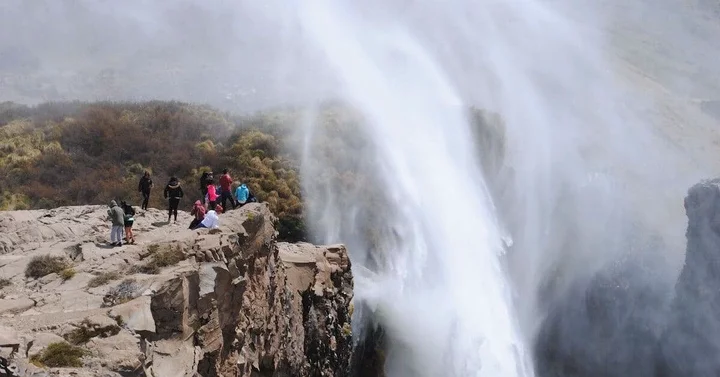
[
  {"x": 198, "y": 211},
  {"x": 173, "y": 192},
  {"x": 211, "y": 194},
  {"x": 211, "y": 221},
  {"x": 226, "y": 189},
  {"x": 252, "y": 198},
  {"x": 219, "y": 209},
  {"x": 241, "y": 194},
  {"x": 117, "y": 216},
  {"x": 145, "y": 186},
  {"x": 129, "y": 219}
]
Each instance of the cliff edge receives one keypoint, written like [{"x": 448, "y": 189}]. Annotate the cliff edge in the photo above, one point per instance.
[{"x": 224, "y": 302}]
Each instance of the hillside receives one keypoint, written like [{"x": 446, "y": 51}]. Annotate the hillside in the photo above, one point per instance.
[{"x": 60, "y": 154}]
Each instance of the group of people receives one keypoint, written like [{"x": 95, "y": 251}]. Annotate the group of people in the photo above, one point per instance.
[
  {"x": 215, "y": 199},
  {"x": 122, "y": 217}
]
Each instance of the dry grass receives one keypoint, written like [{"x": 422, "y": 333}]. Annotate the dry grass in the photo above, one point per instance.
[
  {"x": 87, "y": 331},
  {"x": 67, "y": 273},
  {"x": 122, "y": 293},
  {"x": 103, "y": 278},
  {"x": 45, "y": 265},
  {"x": 160, "y": 259}
]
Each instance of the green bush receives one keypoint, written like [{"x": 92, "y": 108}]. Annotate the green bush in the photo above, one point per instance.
[{"x": 60, "y": 355}]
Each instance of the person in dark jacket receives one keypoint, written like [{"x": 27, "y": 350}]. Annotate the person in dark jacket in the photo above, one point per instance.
[
  {"x": 204, "y": 179},
  {"x": 173, "y": 192},
  {"x": 145, "y": 185},
  {"x": 129, "y": 220}
]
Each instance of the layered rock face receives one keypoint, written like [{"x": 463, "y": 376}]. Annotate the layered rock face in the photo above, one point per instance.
[
  {"x": 690, "y": 346},
  {"x": 223, "y": 302}
]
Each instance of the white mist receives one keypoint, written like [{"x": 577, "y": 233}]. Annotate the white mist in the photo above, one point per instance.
[
  {"x": 443, "y": 297},
  {"x": 584, "y": 168}
]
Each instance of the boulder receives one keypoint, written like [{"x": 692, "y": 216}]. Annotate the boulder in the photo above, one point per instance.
[{"x": 135, "y": 315}]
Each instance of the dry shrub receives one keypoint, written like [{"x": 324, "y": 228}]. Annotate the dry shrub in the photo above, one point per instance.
[
  {"x": 160, "y": 259},
  {"x": 103, "y": 278},
  {"x": 45, "y": 265}
]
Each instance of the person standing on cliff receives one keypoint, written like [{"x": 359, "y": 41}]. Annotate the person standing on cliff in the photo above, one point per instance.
[
  {"x": 173, "y": 193},
  {"x": 129, "y": 220},
  {"x": 226, "y": 189},
  {"x": 204, "y": 179},
  {"x": 145, "y": 185},
  {"x": 117, "y": 216}
]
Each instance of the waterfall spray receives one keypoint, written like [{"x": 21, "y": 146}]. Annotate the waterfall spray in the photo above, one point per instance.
[{"x": 444, "y": 295}]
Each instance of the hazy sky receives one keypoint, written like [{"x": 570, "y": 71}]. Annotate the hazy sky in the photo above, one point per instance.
[{"x": 244, "y": 54}]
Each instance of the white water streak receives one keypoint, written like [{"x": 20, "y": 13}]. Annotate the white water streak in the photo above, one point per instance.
[{"x": 419, "y": 125}]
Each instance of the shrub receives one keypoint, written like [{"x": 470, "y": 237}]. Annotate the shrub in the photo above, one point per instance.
[
  {"x": 67, "y": 273},
  {"x": 160, "y": 259},
  {"x": 45, "y": 265},
  {"x": 103, "y": 278},
  {"x": 122, "y": 293},
  {"x": 291, "y": 229},
  {"x": 60, "y": 355},
  {"x": 86, "y": 331}
]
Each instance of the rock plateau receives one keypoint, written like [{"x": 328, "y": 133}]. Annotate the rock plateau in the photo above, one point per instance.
[{"x": 224, "y": 302}]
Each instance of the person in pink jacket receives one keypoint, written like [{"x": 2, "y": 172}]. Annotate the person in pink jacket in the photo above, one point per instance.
[{"x": 212, "y": 194}]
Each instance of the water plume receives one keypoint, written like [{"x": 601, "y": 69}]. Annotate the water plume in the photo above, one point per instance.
[{"x": 575, "y": 190}]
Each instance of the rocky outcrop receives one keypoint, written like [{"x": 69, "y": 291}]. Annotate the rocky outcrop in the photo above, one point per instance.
[
  {"x": 622, "y": 324},
  {"x": 224, "y": 302},
  {"x": 607, "y": 324},
  {"x": 691, "y": 344}
]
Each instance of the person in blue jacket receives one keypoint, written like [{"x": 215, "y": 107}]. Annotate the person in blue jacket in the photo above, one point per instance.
[{"x": 242, "y": 194}]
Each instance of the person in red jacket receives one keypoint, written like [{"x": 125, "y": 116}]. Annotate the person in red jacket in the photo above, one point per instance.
[
  {"x": 226, "y": 189},
  {"x": 198, "y": 211}
]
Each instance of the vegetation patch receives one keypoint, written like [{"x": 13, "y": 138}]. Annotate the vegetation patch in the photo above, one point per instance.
[
  {"x": 160, "y": 259},
  {"x": 103, "y": 278},
  {"x": 86, "y": 331},
  {"x": 119, "y": 320},
  {"x": 45, "y": 265},
  {"x": 60, "y": 355},
  {"x": 126, "y": 291},
  {"x": 67, "y": 273}
]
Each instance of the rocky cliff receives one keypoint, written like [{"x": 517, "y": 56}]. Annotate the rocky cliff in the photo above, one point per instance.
[
  {"x": 225, "y": 302},
  {"x": 624, "y": 323},
  {"x": 690, "y": 346}
]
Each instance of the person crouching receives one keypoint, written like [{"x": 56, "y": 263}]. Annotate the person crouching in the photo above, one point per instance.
[{"x": 198, "y": 211}]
